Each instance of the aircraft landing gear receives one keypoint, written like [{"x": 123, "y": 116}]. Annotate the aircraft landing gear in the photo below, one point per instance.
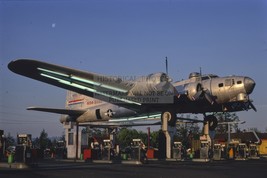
[
  {"x": 170, "y": 116},
  {"x": 209, "y": 125},
  {"x": 213, "y": 122},
  {"x": 168, "y": 120}
]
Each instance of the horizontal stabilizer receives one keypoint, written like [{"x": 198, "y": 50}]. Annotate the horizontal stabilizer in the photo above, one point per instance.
[{"x": 59, "y": 111}]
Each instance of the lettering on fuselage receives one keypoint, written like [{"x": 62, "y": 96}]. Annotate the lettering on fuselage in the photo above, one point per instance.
[{"x": 93, "y": 102}]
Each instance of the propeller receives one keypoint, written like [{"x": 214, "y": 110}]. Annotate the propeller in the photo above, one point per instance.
[
  {"x": 252, "y": 105},
  {"x": 202, "y": 92}
]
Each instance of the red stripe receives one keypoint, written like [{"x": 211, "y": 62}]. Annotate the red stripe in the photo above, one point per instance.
[{"x": 74, "y": 101}]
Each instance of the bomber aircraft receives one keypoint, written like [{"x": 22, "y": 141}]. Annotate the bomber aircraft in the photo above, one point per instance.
[{"x": 99, "y": 98}]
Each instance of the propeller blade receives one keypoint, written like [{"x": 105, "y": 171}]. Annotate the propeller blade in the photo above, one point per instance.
[
  {"x": 252, "y": 105},
  {"x": 197, "y": 95},
  {"x": 209, "y": 98}
]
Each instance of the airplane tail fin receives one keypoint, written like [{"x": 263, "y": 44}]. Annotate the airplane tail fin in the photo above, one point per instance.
[
  {"x": 78, "y": 101},
  {"x": 75, "y": 106}
]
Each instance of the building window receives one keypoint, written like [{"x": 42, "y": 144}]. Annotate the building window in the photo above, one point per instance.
[{"x": 70, "y": 139}]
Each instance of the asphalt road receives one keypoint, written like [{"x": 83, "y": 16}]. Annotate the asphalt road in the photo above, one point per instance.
[{"x": 237, "y": 169}]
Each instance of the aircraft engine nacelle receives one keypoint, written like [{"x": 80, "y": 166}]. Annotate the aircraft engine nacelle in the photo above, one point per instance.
[
  {"x": 242, "y": 97},
  {"x": 156, "y": 82},
  {"x": 192, "y": 89}
]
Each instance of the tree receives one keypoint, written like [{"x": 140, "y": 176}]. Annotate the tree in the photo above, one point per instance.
[
  {"x": 9, "y": 140},
  {"x": 186, "y": 132},
  {"x": 43, "y": 141},
  {"x": 226, "y": 117},
  {"x": 126, "y": 136},
  {"x": 254, "y": 129},
  {"x": 154, "y": 139}
]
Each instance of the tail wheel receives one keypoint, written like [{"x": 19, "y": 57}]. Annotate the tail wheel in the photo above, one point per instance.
[
  {"x": 170, "y": 117},
  {"x": 213, "y": 122}
]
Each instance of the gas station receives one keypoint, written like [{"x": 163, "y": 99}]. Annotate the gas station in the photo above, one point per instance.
[
  {"x": 207, "y": 147},
  {"x": 80, "y": 145}
]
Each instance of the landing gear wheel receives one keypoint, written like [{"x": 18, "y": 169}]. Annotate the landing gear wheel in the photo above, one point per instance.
[
  {"x": 213, "y": 122},
  {"x": 170, "y": 117}
]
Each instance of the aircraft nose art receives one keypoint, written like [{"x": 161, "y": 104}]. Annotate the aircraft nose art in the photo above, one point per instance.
[{"x": 249, "y": 85}]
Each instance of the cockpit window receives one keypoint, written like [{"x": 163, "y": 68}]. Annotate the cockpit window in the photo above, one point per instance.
[
  {"x": 239, "y": 82},
  {"x": 204, "y": 78},
  {"x": 213, "y": 76},
  {"x": 209, "y": 76}
]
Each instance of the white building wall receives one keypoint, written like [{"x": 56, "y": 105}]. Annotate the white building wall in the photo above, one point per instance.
[{"x": 70, "y": 130}]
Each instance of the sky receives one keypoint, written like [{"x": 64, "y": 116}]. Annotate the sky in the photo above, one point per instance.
[{"x": 127, "y": 37}]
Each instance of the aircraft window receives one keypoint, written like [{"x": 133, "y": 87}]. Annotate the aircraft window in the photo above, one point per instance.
[
  {"x": 228, "y": 82},
  {"x": 220, "y": 85},
  {"x": 239, "y": 82}
]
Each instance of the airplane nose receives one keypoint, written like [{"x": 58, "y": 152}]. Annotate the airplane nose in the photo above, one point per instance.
[{"x": 249, "y": 85}]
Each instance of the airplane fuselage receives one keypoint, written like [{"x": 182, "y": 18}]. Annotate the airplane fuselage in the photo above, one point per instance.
[{"x": 228, "y": 94}]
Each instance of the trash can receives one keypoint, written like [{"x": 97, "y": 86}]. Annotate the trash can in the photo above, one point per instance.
[
  {"x": 87, "y": 154},
  {"x": 150, "y": 153},
  {"x": 81, "y": 156},
  {"x": 124, "y": 156},
  {"x": 10, "y": 158}
]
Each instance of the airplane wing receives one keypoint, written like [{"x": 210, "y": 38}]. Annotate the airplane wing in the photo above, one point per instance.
[
  {"x": 105, "y": 88},
  {"x": 119, "y": 124},
  {"x": 111, "y": 124},
  {"x": 190, "y": 120}
]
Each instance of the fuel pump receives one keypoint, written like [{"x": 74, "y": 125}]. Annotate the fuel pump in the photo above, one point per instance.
[
  {"x": 241, "y": 151},
  {"x": 106, "y": 155},
  {"x": 204, "y": 150},
  {"x": 231, "y": 150},
  {"x": 217, "y": 152},
  {"x": 138, "y": 150},
  {"x": 253, "y": 151},
  {"x": 177, "y": 151},
  {"x": 23, "y": 148}
]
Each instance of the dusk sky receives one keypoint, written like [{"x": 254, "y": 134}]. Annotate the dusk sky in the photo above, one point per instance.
[{"x": 127, "y": 38}]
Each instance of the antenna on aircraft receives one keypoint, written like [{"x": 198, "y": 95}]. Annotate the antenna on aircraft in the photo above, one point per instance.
[{"x": 166, "y": 62}]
